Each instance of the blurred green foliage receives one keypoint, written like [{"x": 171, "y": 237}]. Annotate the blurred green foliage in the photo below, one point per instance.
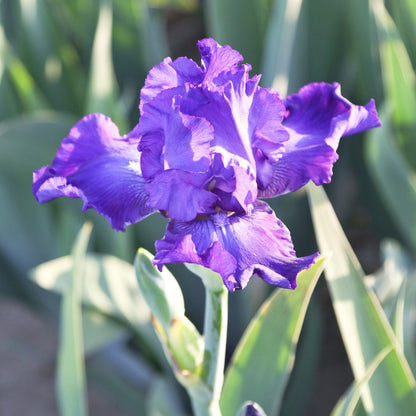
[{"x": 60, "y": 59}]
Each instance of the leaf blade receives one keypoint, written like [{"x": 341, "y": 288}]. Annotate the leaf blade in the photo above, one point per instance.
[
  {"x": 242, "y": 380},
  {"x": 363, "y": 325},
  {"x": 71, "y": 367}
]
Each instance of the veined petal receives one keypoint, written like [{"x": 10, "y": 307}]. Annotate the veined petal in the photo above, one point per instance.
[
  {"x": 268, "y": 136},
  {"x": 236, "y": 247},
  {"x": 96, "y": 164},
  {"x": 181, "y": 194},
  {"x": 187, "y": 142},
  {"x": 172, "y": 139},
  {"x": 216, "y": 59},
  {"x": 265, "y": 123},
  {"x": 317, "y": 117},
  {"x": 168, "y": 75}
]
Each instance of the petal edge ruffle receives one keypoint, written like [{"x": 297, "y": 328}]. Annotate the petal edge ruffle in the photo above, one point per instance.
[
  {"x": 317, "y": 117},
  {"x": 236, "y": 247},
  {"x": 97, "y": 165}
]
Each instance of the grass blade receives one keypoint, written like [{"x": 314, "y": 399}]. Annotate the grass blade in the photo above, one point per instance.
[
  {"x": 71, "y": 367},
  {"x": 394, "y": 178},
  {"x": 239, "y": 23},
  {"x": 363, "y": 325},
  {"x": 346, "y": 406},
  {"x": 103, "y": 89},
  {"x": 264, "y": 358},
  {"x": 279, "y": 42},
  {"x": 398, "y": 74}
]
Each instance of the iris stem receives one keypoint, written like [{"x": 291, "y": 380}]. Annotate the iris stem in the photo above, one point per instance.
[{"x": 215, "y": 336}]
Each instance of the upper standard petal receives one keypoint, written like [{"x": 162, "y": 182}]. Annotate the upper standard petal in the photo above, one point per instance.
[
  {"x": 168, "y": 75},
  {"x": 217, "y": 59}
]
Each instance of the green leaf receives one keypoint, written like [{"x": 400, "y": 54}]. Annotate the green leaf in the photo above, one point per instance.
[
  {"x": 27, "y": 144},
  {"x": 348, "y": 402},
  {"x": 363, "y": 325},
  {"x": 395, "y": 287},
  {"x": 186, "y": 344},
  {"x": 102, "y": 93},
  {"x": 239, "y": 23},
  {"x": 153, "y": 38},
  {"x": 398, "y": 74},
  {"x": 404, "y": 14},
  {"x": 264, "y": 358},
  {"x": 181, "y": 340},
  {"x": 109, "y": 286},
  {"x": 71, "y": 367},
  {"x": 30, "y": 96},
  {"x": 99, "y": 330},
  {"x": 212, "y": 280},
  {"x": 298, "y": 393},
  {"x": 363, "y": 45},
  {"x": 163, "y": 400},
  {"x": 180, "y": 5},
  {"x": 393, "y": 177},
  {"x": 30, "y": 142},
  {"x": 160, "y": 289},
  {"x": 279, "y": 42}
]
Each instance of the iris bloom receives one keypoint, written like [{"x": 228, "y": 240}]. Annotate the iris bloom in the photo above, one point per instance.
[{"x": 210, "y": 144}]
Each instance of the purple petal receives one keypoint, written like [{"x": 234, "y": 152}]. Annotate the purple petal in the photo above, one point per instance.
[
  {"x": 181, "y": 194},
  {"x": 252, "y": 409},
  {"x": 96, "y": 164},
  {"x": 236, "y": 247},
  {"x": 227, "y": 111},
  {"x": 317, "y": 117},
  {"x": 168, "y": 75},
  {"x": 172, "y": 139},
  {"x": 268, "y": 136},
  {"x": 217, "y": 59}
]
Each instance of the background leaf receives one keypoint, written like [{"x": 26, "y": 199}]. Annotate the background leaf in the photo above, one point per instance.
[
  {"x": 109, "y": 286},
  {"x": 264, "y": 358},
  {"x": 363, "y": 325},
  {"x": 278, "y": 45},
  {"x": 239, "y": 23},
  {"x": 103, "y": 89},
  {"x": 71, "y": 368},
  {"x": 393, "y": 178}
]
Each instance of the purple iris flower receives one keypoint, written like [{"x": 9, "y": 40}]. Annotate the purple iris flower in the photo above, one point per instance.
[{"x": 210, "y": 142}]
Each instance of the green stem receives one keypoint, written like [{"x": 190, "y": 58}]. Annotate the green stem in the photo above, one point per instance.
[{"x": 215, "y": 336}]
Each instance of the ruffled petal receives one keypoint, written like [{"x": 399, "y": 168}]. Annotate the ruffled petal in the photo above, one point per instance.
[
  {"x": 317, "y": 117},
  {"x": 168, "y": 75},
  {"x": 216, "y": 59},
  {"x": 236, "y": 247},
  {"x": 181, "y": 194},
  {"x": 265, "y": 123},
  {"x": 96, "y": 164},
  {"x": 227, "y": 111},
  {"x": 268, "y": 136}
]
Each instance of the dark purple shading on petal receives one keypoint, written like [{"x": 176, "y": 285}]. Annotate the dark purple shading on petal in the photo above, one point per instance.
[
  {"x": 181, "y": 194},
  {"x": 172, "y": 138},
  {"x": 236, "y": 247},
  {"x": 268, "y": 136},
  {"x": 317, "y": 117},
  {"x": 253, "y": 409},
  {"x": 96, "y": 164},
  {"x": 187, "y": 142}
]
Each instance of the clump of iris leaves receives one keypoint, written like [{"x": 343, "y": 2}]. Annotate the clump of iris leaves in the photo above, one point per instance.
[{"x": 63, "y": 59}]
